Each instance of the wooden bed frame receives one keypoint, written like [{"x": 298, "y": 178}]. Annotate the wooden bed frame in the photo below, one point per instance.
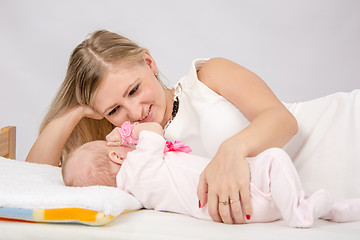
[{"x": 8, "y": 142}]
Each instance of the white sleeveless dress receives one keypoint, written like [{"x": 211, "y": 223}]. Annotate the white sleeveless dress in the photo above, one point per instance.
[{"x": 325, "y": 151}]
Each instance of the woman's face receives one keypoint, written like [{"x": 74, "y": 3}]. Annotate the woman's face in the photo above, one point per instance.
[{"x": 131, "y": 93}]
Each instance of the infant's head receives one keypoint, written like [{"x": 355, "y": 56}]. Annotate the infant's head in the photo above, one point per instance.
[{"x": 94, "y": 163}]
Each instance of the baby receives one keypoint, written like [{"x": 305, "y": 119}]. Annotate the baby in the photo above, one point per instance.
[
  {"x": 164, "y": 176},
  {"x": 96, "y": 163}
]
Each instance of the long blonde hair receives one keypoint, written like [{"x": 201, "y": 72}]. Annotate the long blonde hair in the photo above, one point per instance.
[{"x": 87, "y": 65}]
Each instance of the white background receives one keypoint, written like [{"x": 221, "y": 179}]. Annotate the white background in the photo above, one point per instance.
[{"x": 302, "y": 49}]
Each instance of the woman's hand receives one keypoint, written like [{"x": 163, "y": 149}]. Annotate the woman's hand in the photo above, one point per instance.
[
  {"x": 90, "y": 112},
  {"x": 227, "y": 177},
  {"x": 51, "y": 141}
]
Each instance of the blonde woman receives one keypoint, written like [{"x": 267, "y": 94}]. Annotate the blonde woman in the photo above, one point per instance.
[{"x": 220, "y": 109}]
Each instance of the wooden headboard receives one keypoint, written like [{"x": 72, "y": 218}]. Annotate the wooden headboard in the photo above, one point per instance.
[{"x": 8, "y": 142}]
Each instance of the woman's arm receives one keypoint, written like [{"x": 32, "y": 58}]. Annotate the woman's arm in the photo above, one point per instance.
[
  {"x": 48, "y": 147},
  {"x": 227, "y": 176}
]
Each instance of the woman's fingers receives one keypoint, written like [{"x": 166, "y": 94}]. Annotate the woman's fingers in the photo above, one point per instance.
[
  {"x": 91, "y": 113},
  {"x": 246, "y": 201},
  {"x": 213, "y": 207},
  {"x": 225, "y": 209},
  {"x": 227, "y": 179},
  {"x": 209, "y": 198},
  {"x": 202, "y": 191},
  {"x": 245, "y": 190},
  {"x": 236, "y": 209}
]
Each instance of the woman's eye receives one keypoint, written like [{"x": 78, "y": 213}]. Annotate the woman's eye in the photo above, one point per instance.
[
  {"x": 113, "y": 111},
  {"x": 134, "y": 90}
]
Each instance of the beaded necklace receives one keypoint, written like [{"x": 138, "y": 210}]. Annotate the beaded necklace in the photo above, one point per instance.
[{"x": 175, "y": 109}]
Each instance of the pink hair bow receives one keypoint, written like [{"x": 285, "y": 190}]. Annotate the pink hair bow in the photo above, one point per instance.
[{"x": 176, "y": 147}]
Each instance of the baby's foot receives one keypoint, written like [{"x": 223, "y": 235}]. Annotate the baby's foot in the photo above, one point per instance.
[
  {"x": 322, "y": 203},
  {"x": 345, "y": 211},
  {"x": 311, "y": 208}
]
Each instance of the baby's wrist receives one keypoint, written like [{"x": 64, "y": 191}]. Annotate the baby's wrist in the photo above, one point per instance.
[
  {"x": 127, "y": 133},
  {"x": 148, "y": 126}
]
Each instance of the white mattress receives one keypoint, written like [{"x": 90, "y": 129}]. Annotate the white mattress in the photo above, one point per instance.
[{"x": 149, "y": 224}]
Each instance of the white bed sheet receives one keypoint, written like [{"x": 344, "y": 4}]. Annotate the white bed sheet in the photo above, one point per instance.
[{"x": 149, "y": 224}]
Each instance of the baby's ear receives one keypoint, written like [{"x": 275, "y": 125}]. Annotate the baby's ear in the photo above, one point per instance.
[{"x": 116, "y": 157}]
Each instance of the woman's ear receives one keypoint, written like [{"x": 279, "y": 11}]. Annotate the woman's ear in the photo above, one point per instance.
[
  {"x": 150, "y": 62},
  {"x": 116, "y": 157}
]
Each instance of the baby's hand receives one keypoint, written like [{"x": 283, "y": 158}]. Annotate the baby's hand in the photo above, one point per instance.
[{"x": 113, "y": 138}]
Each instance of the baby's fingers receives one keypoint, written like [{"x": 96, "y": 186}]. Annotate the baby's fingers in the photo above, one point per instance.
[{"x": 114, "y": 135}]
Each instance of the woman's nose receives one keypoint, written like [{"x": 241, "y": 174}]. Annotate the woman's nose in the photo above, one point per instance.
[{"x": 134, "y": 112}]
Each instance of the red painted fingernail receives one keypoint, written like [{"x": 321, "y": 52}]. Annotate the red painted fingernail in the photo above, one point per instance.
[
  {"x": 199, "y": 204},
  {"x": 248, "y": 217}
]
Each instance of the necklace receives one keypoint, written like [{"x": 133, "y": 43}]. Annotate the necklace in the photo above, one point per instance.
[{"x": 175, "y": 109}]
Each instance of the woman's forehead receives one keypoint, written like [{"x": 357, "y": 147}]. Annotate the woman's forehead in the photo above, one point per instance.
[
  {"x": 119, "y": 77},
  {"x": 114, "y": 85}
]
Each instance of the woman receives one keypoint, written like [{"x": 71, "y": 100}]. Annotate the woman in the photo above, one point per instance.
[{"x": 111, "y": 80}]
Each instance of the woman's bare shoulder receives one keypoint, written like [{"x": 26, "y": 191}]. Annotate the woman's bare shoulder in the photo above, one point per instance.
[
  {"x": 242, "y": 87},
  {"x": 218, "y": 72}
]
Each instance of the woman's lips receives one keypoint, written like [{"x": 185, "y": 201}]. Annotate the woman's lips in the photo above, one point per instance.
[{"x": 149, "y": 115}]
